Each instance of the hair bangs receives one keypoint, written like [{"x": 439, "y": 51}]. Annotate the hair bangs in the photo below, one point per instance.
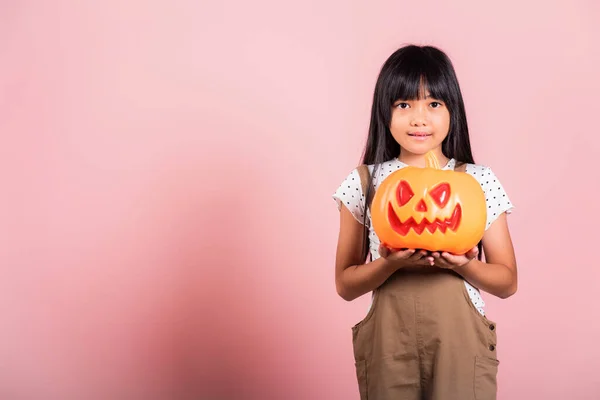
[{"x": 414, "y": 80}]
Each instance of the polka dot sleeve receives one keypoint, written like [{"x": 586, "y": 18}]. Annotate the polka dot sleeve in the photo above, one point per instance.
[
  {"x": 495, "y": 196},
  {"x": 350, "y": 195}
]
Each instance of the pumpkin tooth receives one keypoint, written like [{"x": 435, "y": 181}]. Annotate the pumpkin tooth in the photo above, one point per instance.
[
  {"x": 419, "y": 228},
  {"x": 442, "y": 226},
  {"x": 403, "y": 228},
  {"x": 395, "y": 223},
  {"x": 432, "y": 227}
]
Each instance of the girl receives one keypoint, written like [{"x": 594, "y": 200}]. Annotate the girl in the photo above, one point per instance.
[{"x": 426, "y": 335}]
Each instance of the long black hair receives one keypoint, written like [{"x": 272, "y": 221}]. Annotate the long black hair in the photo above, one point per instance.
[{"x": 404, "y": 75}]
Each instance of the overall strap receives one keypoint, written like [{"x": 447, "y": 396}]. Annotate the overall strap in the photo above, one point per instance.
[
  {"x": 460, "y": 166},
  {"x": 369, "y": 192},
  {"x": 367, "y": 184}
]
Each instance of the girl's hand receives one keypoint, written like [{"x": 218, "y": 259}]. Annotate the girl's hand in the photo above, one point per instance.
[
  {"x": 453, "y": 261},
  {"x": 406, "y": 257}
]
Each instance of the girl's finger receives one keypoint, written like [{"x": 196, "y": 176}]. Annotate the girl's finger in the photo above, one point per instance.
[
  {"x": 425, "y": 262},
  {"x": 472, "y": 253},
  {"x": 418, "y": 255},
  {"x": 383, "y": 251},
  {"x": 452, "y": 259},
  {"x": 439, "y": 261},
  {"x": 411, "y": 253},
  {"x": 404, "y": 254}
]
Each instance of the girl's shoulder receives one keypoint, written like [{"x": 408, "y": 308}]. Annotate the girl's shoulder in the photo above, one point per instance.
[
  {"x": 350, "y": 193},
  {"x": 482, "y": 172},
  {"x": 496, "y": 197},
  {"x": 477, "y": 169}
]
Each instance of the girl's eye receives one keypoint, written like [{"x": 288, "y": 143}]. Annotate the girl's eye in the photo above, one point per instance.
[
  {"x": 436, "y": 104},
  {"x": 402, "y": 105}
]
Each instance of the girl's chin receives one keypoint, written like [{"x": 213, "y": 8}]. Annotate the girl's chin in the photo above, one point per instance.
[{"x": 418, "y": 150}]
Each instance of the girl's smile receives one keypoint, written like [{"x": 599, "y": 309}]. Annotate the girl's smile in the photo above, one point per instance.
[{"x": 420, "y": 136}]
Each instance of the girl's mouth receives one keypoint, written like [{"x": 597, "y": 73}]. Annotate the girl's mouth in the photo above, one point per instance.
[{"x": 419, "y": 135}]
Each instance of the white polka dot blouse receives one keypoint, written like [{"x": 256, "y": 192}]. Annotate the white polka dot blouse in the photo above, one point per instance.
[{"x": 350, "y": 195}]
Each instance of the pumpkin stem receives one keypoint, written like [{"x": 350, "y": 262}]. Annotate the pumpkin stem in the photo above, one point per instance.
[{"x": 431, "y": 160}]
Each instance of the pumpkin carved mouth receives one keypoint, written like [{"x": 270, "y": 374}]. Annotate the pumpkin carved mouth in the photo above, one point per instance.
[{"x": 402, "y": 228}]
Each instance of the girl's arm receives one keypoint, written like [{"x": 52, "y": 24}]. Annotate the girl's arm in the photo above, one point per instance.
[
  {"x": 353, "y": 277},
  {"x": 498, "y": 275}
]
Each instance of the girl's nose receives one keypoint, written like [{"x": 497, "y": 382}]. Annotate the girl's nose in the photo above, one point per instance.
[
  {"x": 419, "y": 116},
  {"x": 419, "y": 119}
]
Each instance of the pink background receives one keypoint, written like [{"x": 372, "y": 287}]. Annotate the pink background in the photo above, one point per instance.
[{"x": 167, "y": 229}]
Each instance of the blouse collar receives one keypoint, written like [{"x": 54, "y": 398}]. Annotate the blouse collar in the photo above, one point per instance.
[{"x": 449, "y": 165}]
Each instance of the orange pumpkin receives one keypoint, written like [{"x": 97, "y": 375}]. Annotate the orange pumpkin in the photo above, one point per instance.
[{"x": 429, "y": 208}]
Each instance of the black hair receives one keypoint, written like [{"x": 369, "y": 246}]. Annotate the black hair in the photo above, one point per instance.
[{"x": 407, "y": 74}]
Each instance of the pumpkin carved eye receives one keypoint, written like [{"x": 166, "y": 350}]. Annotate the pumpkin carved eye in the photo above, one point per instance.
[
  {"x": 441, "y": 194},
  {"x": 405, "y": 193}
]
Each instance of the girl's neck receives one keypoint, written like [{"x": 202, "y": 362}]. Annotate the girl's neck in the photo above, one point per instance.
[{"x": 418, "y": 160}]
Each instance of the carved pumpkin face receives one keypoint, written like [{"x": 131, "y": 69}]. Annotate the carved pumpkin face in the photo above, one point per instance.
[{"x": 429, "y": 208}]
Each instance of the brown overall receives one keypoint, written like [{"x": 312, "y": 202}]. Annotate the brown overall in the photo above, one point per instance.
[{"x": 423, "y": 338}]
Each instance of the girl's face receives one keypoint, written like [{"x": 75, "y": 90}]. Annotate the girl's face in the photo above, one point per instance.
[{"x": 420, "y": 125}]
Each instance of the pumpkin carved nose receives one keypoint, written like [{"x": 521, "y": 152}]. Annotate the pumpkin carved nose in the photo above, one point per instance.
[{"x": 421, "y": 206}]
